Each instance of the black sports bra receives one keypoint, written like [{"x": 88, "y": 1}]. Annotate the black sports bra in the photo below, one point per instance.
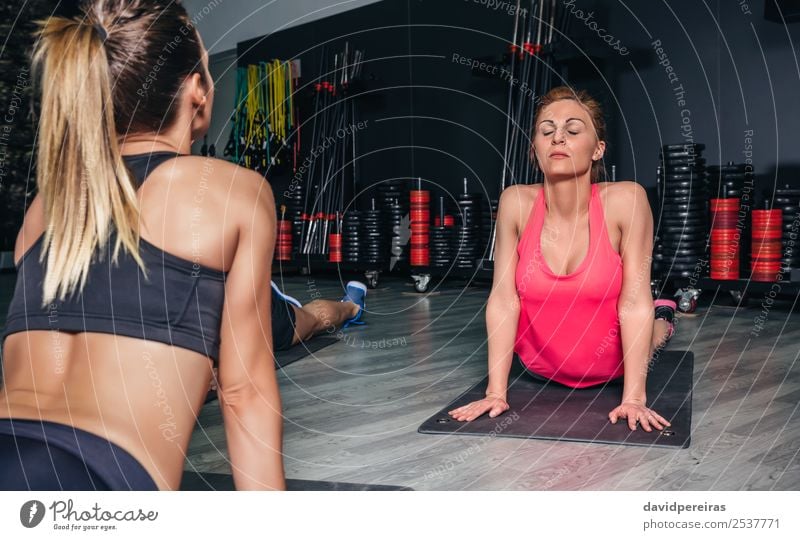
[{"x": 180, "y": 303}]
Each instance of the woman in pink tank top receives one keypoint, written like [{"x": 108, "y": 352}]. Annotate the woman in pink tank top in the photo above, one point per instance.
[{"x": 571, "y": 293}]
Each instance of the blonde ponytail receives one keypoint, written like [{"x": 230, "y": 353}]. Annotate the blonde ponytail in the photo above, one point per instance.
[{"x": 87, "y": 190}]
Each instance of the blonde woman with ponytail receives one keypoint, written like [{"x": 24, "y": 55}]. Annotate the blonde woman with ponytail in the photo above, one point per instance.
[{"x": 129, "y": 291}]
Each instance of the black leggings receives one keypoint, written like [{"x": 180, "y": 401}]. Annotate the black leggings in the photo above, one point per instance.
[{"x": 47, "y": 456}]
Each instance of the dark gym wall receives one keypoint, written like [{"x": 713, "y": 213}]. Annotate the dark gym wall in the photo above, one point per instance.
[
  {"x": 458, "y": 115},
  {"x": 739, "y": 71},
  {"x": 417, "y": 96}
]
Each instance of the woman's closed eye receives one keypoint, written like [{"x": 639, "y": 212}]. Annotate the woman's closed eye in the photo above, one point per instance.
[{"x": 547, "y": 133}]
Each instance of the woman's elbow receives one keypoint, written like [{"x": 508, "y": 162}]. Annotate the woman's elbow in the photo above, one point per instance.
[
  {"x": 502, "y": 303},
  {"x": 639, "y": 311}
]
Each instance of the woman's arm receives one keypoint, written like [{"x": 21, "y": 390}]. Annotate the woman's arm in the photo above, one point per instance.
[
  {"x": 248, "y": 387},
  {"x": 635, "y": 305},
  {"x": 502, "y": 309}
]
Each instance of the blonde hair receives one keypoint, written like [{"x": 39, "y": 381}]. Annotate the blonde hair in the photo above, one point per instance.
[
  {"x": 87, "y": 189},
  {"x": 85, "y": 186}
]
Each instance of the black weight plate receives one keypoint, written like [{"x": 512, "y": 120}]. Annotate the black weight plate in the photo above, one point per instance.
[
  {"x": 678, "y": 230},
  {"x": 687, "y": 244},
  {"x": 682, "y": 214},
  {"x": 685, "y": 184},
  {"x": 686, "y": 169},
  {"x": 695, "y": 187},
  {"x": 732, "y": 194},
  {"x": 695, "y": 211},
  {"x": 678, "y": 226},
  {"x": 681, "y": 205},
  {"x": 684, "y": 181},
  {"x": 682, "y": 251},
  {"x": 680, "y": 154},
  {"x": 684, "y": 199},
  {"x": 783, "y": 201},
  {"x": 667, "y": 163},
  {"x": 688, "y": 263},
  {"x": 684, "y": 268},
  {"x": 686, "y": 273},
  {"x": 691, "y": 244},
  {"x": 683, "y": 254},
  {"x": 679, "y": 149},
  {"x": 682, "y": 147},
  {"x": 692, "y": 193}
]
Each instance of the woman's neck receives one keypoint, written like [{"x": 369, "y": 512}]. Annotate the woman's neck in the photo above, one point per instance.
[
  {"x": 567, "y": 200},
  {"x": 145, "y": 144}
]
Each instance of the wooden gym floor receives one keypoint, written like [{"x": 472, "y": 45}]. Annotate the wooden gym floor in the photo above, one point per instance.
[{"x": 352, "y": 410}]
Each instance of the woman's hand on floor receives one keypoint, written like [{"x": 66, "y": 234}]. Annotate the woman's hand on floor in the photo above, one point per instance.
[
  {"x": 495, "y": 406},
  {"x": 638, "y": 413}
]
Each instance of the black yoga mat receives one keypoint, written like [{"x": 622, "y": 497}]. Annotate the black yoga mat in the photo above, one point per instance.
[
  {"x": 301, "y": 350},
  {"x": 548, "y": 410},
  {"x": 193, "y": 481}
]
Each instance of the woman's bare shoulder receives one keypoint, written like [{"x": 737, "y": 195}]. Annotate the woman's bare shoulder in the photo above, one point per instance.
[
  {"x": 218, "y": 170},
  {"x": 623, "y": 200},
  {"x": 622, "y": 194},
  {"x": 516, "y": 203},
  {"x": 520, "y": 195},
  {"x": 621, "y": 189}
]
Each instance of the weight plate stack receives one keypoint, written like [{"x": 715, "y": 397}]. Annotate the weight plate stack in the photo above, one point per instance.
[
  {"x": 441, "y": 246},
  {"x": 489, "y": 216},
  {"x": 736, "y": 180},
  {"x": 373, "y": 248},
  {"x": 335, "y": 247},
  {"x": 351, "y": 233},
  {"x": 420, "y": 214},
  {"x": 393, "y": 201},
  {"x": 681, "y": 239},
  {"x": 294, "y": 214},
  {"x": 283, "y": 241},
  {"x": 737, "y": 177},
  {"x": 767, "y": 246},
  {"x": 788, "y": 200},
  {"x": 725, "y": 239},
  {"x": 467, "y": 234}
]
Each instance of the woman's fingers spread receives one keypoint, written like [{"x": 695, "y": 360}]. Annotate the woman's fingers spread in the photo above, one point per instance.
[
  {"x": 657, "y": 421},
  {"x": 662, "y": 419}
]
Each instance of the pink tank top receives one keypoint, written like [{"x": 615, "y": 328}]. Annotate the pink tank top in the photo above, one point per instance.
[{"x": 568, "y": 325}]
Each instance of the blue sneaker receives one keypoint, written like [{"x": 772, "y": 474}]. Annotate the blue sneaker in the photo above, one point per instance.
[
  {"x": 355, "y": 291},
  {"x": 290, "y": 299}
]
